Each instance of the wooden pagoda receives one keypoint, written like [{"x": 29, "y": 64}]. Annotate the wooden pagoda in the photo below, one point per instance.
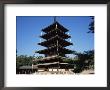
[{"x": 55, "y": 42}]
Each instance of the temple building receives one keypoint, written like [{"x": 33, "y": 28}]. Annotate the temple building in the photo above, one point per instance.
[{"x": 55, "y": 42}]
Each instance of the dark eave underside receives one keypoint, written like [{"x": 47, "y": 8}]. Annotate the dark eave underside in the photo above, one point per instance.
[
  {"x": 54, "y": 40},
  {"x": 50, "y": 35},
  {"x": 60, "y": 50}
]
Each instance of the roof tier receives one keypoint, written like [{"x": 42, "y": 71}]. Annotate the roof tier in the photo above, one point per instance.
[
  {"x": 56, "y": 50},
  {"x": 50, "y": 59},
  {"x": 53, "y": 26},
  {"x": 53, "y": 65},
  {"x": 53, "y": 57},
  {"x": 56, "y": 40},
  {"x": 54, "y": 33}
]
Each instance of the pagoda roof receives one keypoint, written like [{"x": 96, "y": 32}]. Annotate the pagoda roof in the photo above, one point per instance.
[
  {"x": 51, "y": 63},
  {"x": 52, "y": 26},
  {"x": 53, "y": 33},
  {"x": 49, "y": 58},
  {"x": 60, "y": 50},
  {"x": 54, "y": 40},
  {"x": 48, "y": 63}
]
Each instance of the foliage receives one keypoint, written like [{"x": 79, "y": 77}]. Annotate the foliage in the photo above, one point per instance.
[
  {"x": 68, "y": 60},
  {"x": 91, "y": 25},
  {"x": 39, "y": 57},
  {"x": 24, "y": 60},
  {"x": 84, "y": 61}
]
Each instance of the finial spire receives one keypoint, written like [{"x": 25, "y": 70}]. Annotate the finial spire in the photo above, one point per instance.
[{"x": 54, "y": 18}]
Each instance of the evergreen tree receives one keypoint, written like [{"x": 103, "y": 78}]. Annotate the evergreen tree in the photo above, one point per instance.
[{"x": 91, "y": 25}]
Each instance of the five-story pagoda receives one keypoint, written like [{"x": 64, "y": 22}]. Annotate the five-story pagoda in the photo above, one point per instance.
[{"x": 55, "y": 42}]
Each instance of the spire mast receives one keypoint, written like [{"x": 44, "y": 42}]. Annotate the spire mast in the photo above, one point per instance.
[{"x": 54, "y": 18}]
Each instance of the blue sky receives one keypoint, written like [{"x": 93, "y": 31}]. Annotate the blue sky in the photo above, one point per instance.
[{"x": 28, "y": 30}]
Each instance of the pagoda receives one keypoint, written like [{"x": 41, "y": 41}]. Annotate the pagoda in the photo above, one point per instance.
[{"x": 55, "y": 42}]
